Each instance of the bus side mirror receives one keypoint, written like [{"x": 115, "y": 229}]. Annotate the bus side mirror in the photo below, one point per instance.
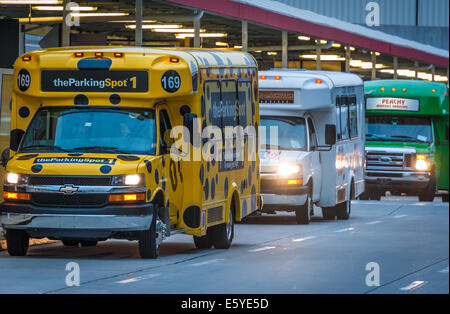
[
  {"x": 330, "y": 134},
  {"x": 5, "y": 157}
]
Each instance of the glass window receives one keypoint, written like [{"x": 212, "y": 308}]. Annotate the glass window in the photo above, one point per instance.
[
  {"x": 344, "y": 118},
  {"x": 353, "y": 117},
  {"x": 164, "y": 125},
  {"x": 245, "y": 103},
  {"x": 291, "y": 133},
  {"x": 229, "y": 108},
  {"x": 312, "y": 134},
  {"x": 398, "y": 129},
  {"x": 338, "y": 118},
  {"x": 128, "y": 130}
]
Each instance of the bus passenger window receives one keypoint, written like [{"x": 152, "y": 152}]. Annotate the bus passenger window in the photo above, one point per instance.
[
  {"x": 229, "y": 112},
  {"x": 344, "y": 118},
  {"x": 245, "y": 103},
  {"x": 338, "y": 118},
  {"x": 353, "y": 117}
]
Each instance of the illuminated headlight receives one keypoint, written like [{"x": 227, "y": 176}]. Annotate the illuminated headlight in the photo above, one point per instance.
[
  {"x": 286, "y": 170},
  {"x": 14, "y": 178},
  {"x": 422, "y": 163},
  {"x": 128, "y": 179}
]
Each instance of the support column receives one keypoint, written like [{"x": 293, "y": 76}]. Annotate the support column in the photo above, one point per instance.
[
  {"x": 65, "y": 26},
  {"x": 284, "y": 50},
  {"x": 416, "y": 69},
  {"x": 138, "y": 30},
  {"x": 374, "y": 66},
  {"x": 197, "y": 39},
  {"x": 395, "y": 68},
  {"x": 318, "y": 53},
  {"x": 433, "y": 72},
  {"x": 245, "y": 36},
  {"x": 347, "y": 58}
]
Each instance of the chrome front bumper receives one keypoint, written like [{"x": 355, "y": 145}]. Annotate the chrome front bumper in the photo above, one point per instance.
[{"x": 284, "y": 200}]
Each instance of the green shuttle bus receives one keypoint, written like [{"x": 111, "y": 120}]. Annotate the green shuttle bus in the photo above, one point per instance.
[{"x": 407, "y": 131}]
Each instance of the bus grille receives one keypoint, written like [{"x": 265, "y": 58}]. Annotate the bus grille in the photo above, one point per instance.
[
  {"x": 67, "y": 200},
  {"x": 74, "y": 180},
  {"x": 388, "y": 161}
]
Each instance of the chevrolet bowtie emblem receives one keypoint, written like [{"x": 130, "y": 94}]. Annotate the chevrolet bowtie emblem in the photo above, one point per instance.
[{"x": 68, "y": 189}]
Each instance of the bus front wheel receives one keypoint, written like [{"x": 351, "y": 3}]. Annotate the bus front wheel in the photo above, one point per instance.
[
  {"x": 428, "y": 194},
  {"x": 303, "y": 212},
  {"x": 148, "y": 240},
  {"x": 203, "y": 242},
  {"x": 17, "y": 242}
]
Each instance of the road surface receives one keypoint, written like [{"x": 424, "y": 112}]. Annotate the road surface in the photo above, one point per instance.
[{"x": 403, "y": 241}]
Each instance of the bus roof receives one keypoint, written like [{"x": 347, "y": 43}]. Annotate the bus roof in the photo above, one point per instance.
[
  {"x": 433, "y": 96},
  {"x": 204, "y": 57},
  {"x": 297, "y": 78}
]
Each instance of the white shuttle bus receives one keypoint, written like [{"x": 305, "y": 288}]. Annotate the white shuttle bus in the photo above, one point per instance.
[{"x": 312, "y": 146}]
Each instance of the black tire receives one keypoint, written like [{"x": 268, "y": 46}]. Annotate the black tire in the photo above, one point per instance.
[
  {"x": 375, "y": 195},
  {"x": 203, "y": 242},
  {"x": 445, "y": 198},
  {"x": 148, "y": 247},
  {"x": 17, "y": 241},
  {"x": 364, "y": 196},
  {"x": 222, "y": 235},
  {"x": 328, "y": 213},
  {"x": 87, "y": 243},
  {"x": 303, "y": 212},
  {"x": 343, "y": 210},
  {"x": 428, "y": 194},
  {"x": 70, "y": 242}
]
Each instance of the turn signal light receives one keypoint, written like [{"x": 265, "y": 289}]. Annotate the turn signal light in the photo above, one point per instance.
[
  {"x": 16, "y": 196},
  {"x": 127, "y": 197},
  {"x": 293, "y": 182}
]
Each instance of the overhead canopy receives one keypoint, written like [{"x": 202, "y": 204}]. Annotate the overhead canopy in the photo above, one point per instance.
[{"x": 278, "y": 15}]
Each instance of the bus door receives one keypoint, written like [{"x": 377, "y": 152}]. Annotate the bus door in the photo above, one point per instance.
[
  {"x": 315, "y": 162},
  {"x": 442, "y": 153},
  {"x": 171, "y": 176}
]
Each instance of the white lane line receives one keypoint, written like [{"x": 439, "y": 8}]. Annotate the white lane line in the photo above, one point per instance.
[
  {"x": 400, "y": 216},
  {"x": 139, "y": 278},
  {"x": 444, "y": 271},
  {"x": 207, "y": 262},
  {"x": 345, "y": 229},
  {"x": 265, "y": 248},
  {"x": 373, "y": 222},
  {"x": 304, "y": 239},
  {"x": 413, "y": 285}
]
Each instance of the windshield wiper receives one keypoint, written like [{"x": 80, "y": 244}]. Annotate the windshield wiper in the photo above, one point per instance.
[
  {"x": 409, "y": 138},
  {"x": 57, "y": 148},
  {"x": 99, "y": 148}
]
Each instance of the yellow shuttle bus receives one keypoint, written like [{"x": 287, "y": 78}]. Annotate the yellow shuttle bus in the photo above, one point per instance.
[{"x": 110, "y": 143}]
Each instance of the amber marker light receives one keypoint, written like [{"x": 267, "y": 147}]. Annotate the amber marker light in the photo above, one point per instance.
[
  {"x": 433, "y": 91},
  {"x": 318, "y": 81},
  {"x": 277, "y": 78},
  {"x": 174, "y": 60},
  {"x": 404, "y": 90},
  {"x": 26, "y": 58},
  {"x": 127, "y": 197},
  {"x": 79, "y": 54},
  {"x": 263, "y": 77},
  {"x": 16, "y": 196},
  {"x": 393, "y": 89},
  {"x": 99, "y": 54},
  {"x": 294, "y": 182},
  {"x": 382, "y": 89},
  {"x": 118, "y": 54}
]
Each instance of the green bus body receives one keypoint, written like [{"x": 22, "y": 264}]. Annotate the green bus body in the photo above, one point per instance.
[{"x": 413, "y": 101}]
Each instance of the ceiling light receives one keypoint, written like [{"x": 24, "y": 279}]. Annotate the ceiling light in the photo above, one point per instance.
[
  {"x": 176, "y": 30},
  {"x": 60, "y": 8},
  {"x": 324, "y": 57},
  {"x": 221, "y": 44},
  {"x": 183, "y": 36},
  {"x": 304, "y": 38},
  {"x": 31, "y": 2},
  {"x": 104, "y": 14},
  {"x": 272, "y": 53},
  {"x": 163, "y": 26},
  {"x": 336, "y": 45}
]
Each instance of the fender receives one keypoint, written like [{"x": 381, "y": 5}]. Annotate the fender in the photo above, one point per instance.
[{"x": 234, "y": 191}]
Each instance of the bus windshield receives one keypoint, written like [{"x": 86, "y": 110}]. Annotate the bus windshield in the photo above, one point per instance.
[
  {"x": 98, "y": 130},
  {"x": 291, "y": 133},
  {"x": 398, "y": 129}
]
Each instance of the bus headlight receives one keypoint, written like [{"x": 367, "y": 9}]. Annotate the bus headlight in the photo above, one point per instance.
[
  {"x": 286, "y": 169},
  {"x": 422, "y": 164},
  {"x": 129, "y": 179},
  {"x": 14, "y": 178}
]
